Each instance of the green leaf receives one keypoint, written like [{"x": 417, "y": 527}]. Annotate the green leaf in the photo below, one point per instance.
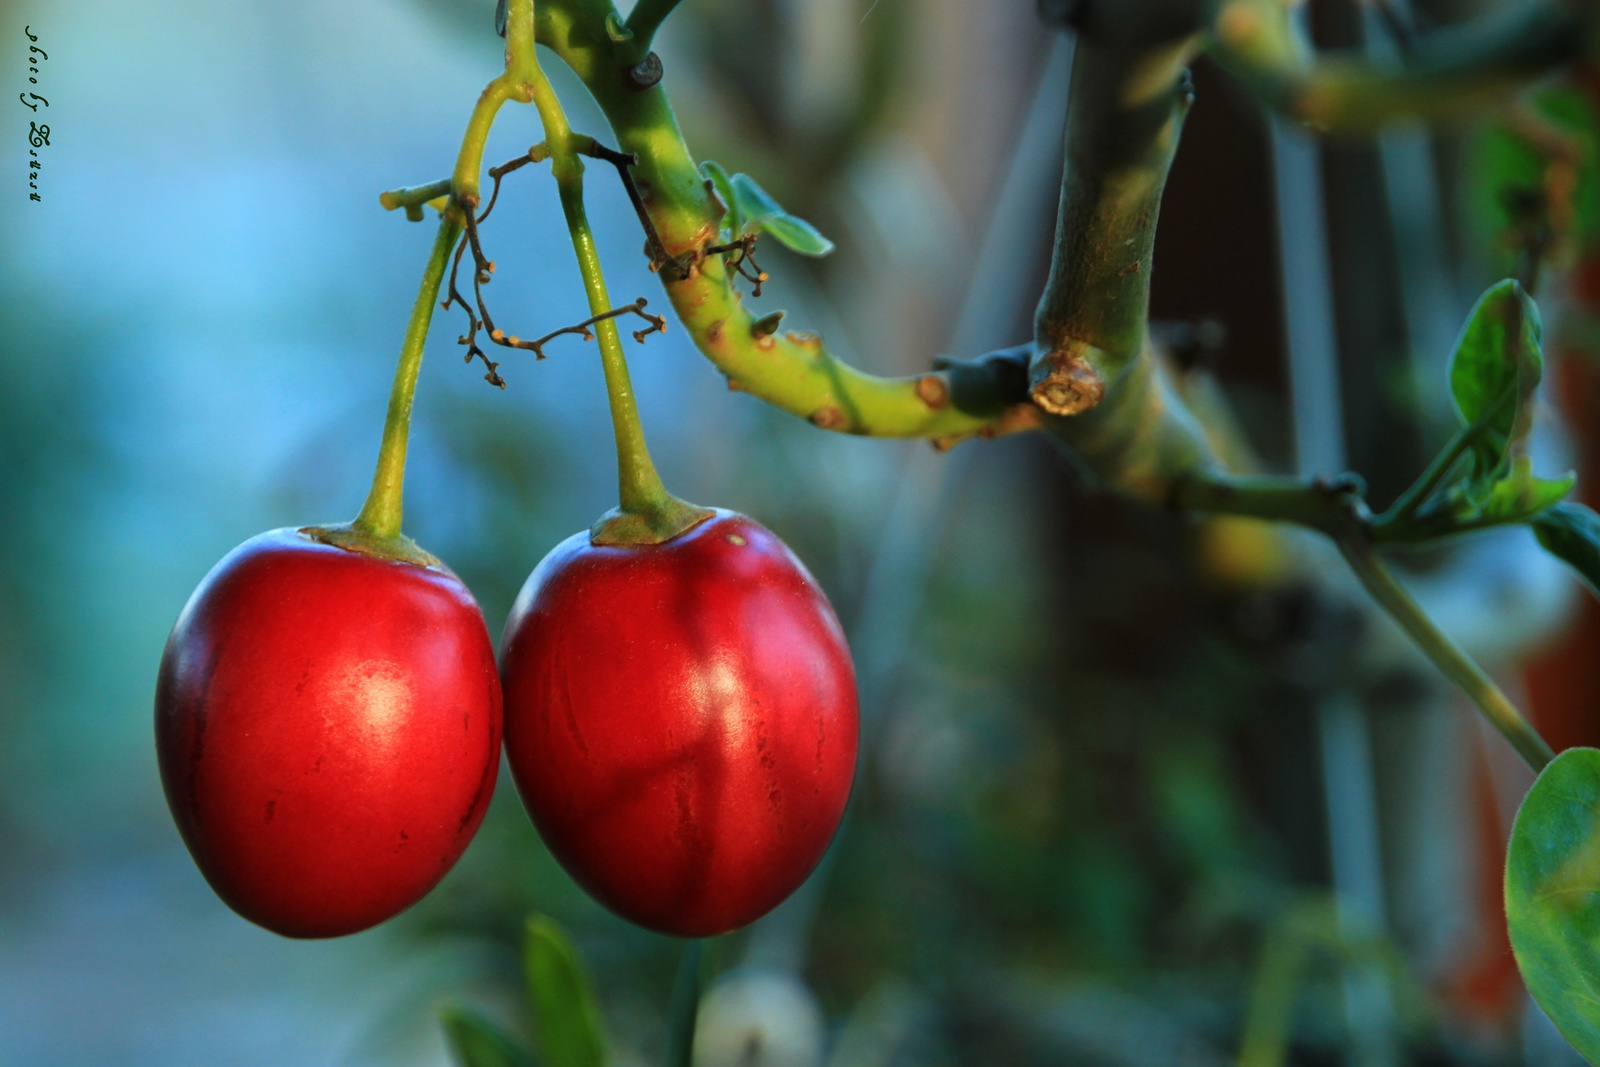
[
  {"x": 1494, "y": 371},
  {"x": 564, "y": 1010},
  {"x": 797, "y": 235},
  {"x": 755, "y": 203},
  {"x": 751, "y": 209},
  {"x": 762, "y": 213},
  {"x": 476, "y": 1042},
  {"x": 732, "y": 219},
  {"x": 1519, "y": 496},
  {"x": 1553, "y": 895},
  {"x": 1571, "y": 532}
]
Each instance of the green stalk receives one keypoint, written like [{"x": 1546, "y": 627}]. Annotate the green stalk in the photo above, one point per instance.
[
  {"x": 380, "y": 515},
  {"x": 1332, "y": 508},
  {"x": 1128, "y": 107},
  {"x": 376, "y": 530},
  {"x": 647, "y": 514},
  {"x": 514, "y": 83},
  {"x": 1455, "y": 664}
]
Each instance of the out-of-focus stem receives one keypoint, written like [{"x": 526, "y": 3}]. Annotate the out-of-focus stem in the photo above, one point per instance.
[
  {"x": 1454, "y": 663},
  {"x": 1448, "y": 73}
]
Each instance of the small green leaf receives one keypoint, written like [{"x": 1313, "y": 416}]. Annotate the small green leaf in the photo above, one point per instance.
[
  {"x": 732, "y": 219},
  {"x": 1519, "y": 496},
  {"x": 1494, "y": 371},
  {"x": 564, "y": 1010},
  {"x": 1553, "y": 895},
  {"x": 1571, "y": 532},
  {"x": 755, "y": 203},
  {"x": 797, "y": 235},
  {"x": 476, "y": 1042},
  {"x": 762, "y": 213}
]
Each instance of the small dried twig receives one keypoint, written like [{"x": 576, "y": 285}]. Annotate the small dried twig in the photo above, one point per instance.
[
  {"x": 658, "y": 324},
  {"x": 478, "y": 316},
  {"x": 654, "y": 247},
  {"x": 470, "y": 338},
  {"x": 744, "y": 252},
  {"x": 537, "y": 154}
]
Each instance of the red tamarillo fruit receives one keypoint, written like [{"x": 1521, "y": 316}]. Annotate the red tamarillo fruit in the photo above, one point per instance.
[
  {"x": 328, "y": 731},
  {"x": 681, "y": 721}
]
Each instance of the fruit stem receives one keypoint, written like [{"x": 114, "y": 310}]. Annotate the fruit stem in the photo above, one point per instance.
[
  {"x": 380, "y": 515},
  {"x": 647, "y": 514}
]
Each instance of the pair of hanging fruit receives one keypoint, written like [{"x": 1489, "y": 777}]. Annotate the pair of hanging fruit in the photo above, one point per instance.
[{"x": 679, "y": 706}]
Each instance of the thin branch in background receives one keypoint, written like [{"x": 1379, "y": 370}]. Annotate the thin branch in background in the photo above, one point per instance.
[
  {"x": 1399, "y": 23},
  {"x": 1529, "y": 210}
]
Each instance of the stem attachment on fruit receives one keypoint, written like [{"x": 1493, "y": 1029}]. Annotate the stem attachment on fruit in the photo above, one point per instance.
[{"x": 647, "y": 514}]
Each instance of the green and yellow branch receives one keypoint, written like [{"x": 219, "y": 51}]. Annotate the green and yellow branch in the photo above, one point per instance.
[
  {"x": 793, "y": 371},
  {"x": 380, "y": 515},
  {"x": 414, "y": 197},
  {"x": 640, "y": 29},
  {"x": 377, "y": 528},
  {"x": 1091, "y": 368}
]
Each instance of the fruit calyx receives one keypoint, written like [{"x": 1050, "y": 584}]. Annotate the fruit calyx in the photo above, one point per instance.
[
  {"x": 351, "y": 537},
  {"x": 657, "y": 524}
]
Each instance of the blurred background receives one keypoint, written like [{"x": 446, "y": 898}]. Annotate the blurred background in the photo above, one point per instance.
[{"x": 1136, "y": 790}]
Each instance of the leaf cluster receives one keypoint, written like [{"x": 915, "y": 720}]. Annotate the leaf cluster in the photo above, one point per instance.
[
  {"x": 751, "y": 211},
  {"x": 1484, "y": 476}
]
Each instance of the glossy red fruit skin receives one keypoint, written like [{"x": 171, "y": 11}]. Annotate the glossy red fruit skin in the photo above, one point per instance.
[
  {"x": 328, "y": 731},
  {"x": 681, "y": 722}
]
